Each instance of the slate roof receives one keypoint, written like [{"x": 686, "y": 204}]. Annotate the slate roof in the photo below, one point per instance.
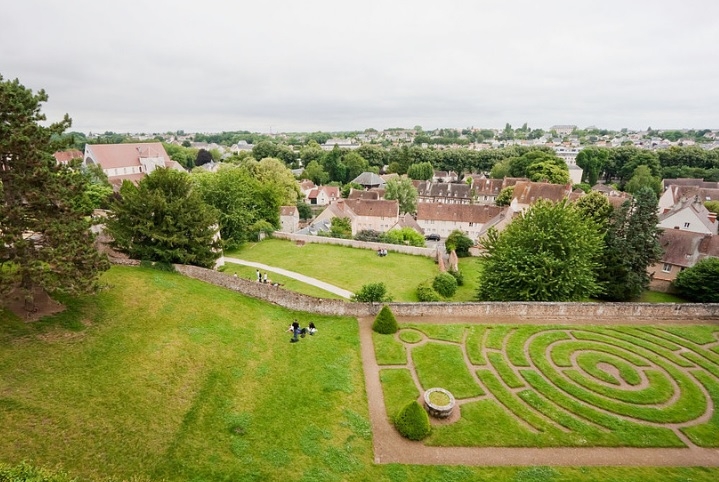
[
  {"x": 445, "y": 190},
  {"x": 369, "y": 179},
  {"x": 690, "y": 182},
  {"x": 361, "y": 194},
  {"x": 681, "y": 248}
]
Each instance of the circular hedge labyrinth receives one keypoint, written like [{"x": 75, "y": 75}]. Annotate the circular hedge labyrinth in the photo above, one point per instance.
[{"x": 557, "y": 386}]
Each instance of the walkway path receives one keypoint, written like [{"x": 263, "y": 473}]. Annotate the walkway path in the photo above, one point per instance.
[
  {"x": 390, "y": 447},
  {"x": 291, "y": 274}
]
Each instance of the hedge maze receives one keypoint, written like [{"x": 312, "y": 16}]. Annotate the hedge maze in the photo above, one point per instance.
[{"x": 560, "y": 386}]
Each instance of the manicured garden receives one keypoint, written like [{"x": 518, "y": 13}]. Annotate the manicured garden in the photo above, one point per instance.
[
  {"x": 560, "y": 386},
  {"x": 160, "y": 377}
]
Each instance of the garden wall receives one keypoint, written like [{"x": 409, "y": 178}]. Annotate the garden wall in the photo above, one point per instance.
[
  {"x": 397, "y": 248},
  {"x": 486, "y": 311}
]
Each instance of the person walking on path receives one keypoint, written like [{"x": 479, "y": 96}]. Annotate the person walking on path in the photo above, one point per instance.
[{"x": 259, "y": 276}]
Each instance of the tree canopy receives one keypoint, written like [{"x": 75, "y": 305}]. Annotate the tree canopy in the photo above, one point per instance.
[
  {"x": 404, "y": 192},
  {"x": 700, "y": 283},
  {"x": 164, "y": 219},
  {"x": 45, "y": 238},
  {"x": 546, "y": 254}
]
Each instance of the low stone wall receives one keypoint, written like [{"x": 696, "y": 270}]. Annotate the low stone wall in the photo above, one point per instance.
[
  {"x": 487, "y": 312},
  {"x": 397, "y": 248},
  {"x": 481, "y": 312}
]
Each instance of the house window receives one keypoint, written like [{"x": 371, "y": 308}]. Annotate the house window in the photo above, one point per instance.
[
  {"x": 686, "y": 225},
  {"x": 667, "y": 268}
]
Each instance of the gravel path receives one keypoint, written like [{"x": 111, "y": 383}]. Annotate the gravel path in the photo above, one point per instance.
[
  {"x": 390, "y": 447},
  {"x": 291, "y": 274}
]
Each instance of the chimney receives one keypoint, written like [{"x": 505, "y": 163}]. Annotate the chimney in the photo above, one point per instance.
[{"x": 712, "y": 217}]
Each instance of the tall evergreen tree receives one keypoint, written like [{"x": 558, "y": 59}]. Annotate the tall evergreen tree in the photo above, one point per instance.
[
  {"x": 631, "y": 246},
  {"x": 164, "y": 219},
  {"x": 45, "y": 238}
]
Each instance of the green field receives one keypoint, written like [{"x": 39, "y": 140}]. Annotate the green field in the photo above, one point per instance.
[
  {"x": 561, "y": 386},
  {"x": 347, "y": 268},
  {"x": 161, "y": 377}
]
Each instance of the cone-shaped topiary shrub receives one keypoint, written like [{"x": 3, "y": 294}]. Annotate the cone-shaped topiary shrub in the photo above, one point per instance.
[
  {"x": 413, "y": 422},
  {"x": 385, "y": 323}
]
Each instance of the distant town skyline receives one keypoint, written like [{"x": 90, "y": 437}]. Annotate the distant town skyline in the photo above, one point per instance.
[{"x": 286, "y": 66}]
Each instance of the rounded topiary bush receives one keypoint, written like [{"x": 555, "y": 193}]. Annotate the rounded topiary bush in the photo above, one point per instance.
[
  {"x": 425, "y": 292},
  {"x": 458, "y": 276},
  {"x": 445, "y": 284},
  {"x": 385, "y": 323},
  {"x": 413, "y": 422}
]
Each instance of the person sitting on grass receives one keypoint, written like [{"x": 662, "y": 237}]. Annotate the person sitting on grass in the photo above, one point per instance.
[
  {"x": 312, "y": 329},
  {"x": 296, "y": 331}
]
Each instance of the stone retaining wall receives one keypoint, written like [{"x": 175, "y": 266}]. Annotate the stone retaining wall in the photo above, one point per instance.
[
  {"x": 397, "y": 248},
  {"x": 489, "y": 311}
]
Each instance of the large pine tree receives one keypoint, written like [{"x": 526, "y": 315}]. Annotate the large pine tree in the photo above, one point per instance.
[
  {"x": 164, "y": 219},
  {"x": 631, "y": 246},
  {"x": 45, "y": 239}
]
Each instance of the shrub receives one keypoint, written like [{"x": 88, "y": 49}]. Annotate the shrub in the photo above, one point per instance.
[
  {"x": 425, "y": 292},
  {"x": 385, "y": 323},
  {"x": 372, "y": 293},
  {"x": 445, "y": 284},
  {"x": 368, "y": 235},
  {"x": 458, "y": 276},
  {"x": 459, "y": 242},
  {"x": 413, "y": 422},
  {"x": 700, "y": 283}
]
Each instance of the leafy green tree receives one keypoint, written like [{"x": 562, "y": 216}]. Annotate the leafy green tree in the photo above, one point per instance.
[
  {"x": 241, "y": 200},
  {"x": 347, "y": 188},
  {"x": 369, "y": 235},
  {"x": 546, "y": 254},
  {"x": 595, "y": 206},
  {"x": 700, "y": 283},
  {"x": 592, "y": 160},
  {"x": 631, "y": 246},
  {"x": 304, "y": 210},
  {"x": 505, "y": 196},
  {"x": 406, "y": 236},
  {"x": 548, "y": 172},
  {"x": 355, "y": 164},
  {"x": 445, "y": 284},
  {"x": 459, "y": 242},
  {"x": 426, "y": 293},
  {"x": 712, "y": 206},
  {"x": 341, "y": 228},
  {"x": 45, "y": 239},
  {"x": 334, "y": 167},
  {"x": 315, "y": 173},
  {"x": 372, "y": 293},
  {"x": 422, "y": 171},
  {"x": 273, "y": 172},
  {"x": 404, "y": 192},
  {"x": 164, "y": 219},
  {"x": 203, "y": 157},
  {"x": 375, "y": 155},
  {"x": 641, "y": 178},
  {"x": 501, "y": 169},
  {"x": 311, "y": 152}
]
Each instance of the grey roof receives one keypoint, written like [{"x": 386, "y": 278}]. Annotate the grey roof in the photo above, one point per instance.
[{"x": 369, "y": 179}]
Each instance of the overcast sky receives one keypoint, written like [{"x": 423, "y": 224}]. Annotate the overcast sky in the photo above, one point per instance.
[{"x": 306, "y": 65}]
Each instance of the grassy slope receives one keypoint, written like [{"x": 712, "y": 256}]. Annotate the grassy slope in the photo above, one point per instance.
[
  {"x": 160, "y": 377},
  {"x": 345, "y": 267}
]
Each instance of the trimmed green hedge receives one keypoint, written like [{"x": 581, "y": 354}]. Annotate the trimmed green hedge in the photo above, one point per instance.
[{"x": 413, "y": 422}]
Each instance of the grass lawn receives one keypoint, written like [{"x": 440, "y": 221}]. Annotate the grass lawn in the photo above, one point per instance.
[
  {"x": 609, "y": 386},
  {"x": 161, "y": 377},
  {"x": 347, "y": 268},
  {"x": 291, "y": 284},
  {"x": 469, "y": 267},
  {"x": 659, "y": 297}
]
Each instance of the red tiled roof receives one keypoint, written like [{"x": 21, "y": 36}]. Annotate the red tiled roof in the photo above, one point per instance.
[
  {"x": 361, "y": 207},
  {"x": 111, "y": 156},
  {"x": 63, "y": 157},
  {"x": 288, "y": 211},
  {"x": 681, "y": 248},
  {"x": 527, "y": 192},
  {"x": 468, "y": 213}
]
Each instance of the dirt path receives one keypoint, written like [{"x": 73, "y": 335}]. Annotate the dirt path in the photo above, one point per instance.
[{"x": 390, "y": 447}]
